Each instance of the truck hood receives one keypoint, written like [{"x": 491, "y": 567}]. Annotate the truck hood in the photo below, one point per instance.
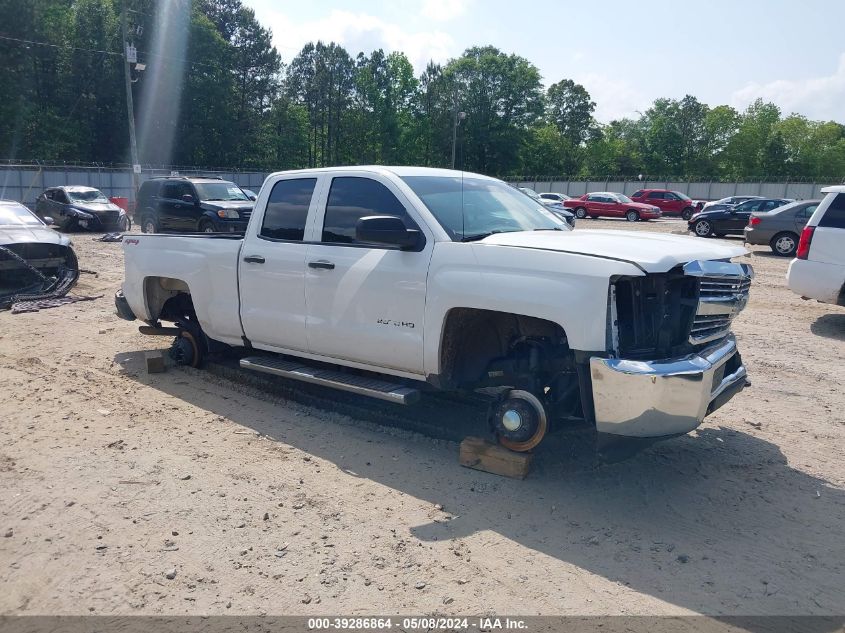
[{"x": 652, "y": 252}]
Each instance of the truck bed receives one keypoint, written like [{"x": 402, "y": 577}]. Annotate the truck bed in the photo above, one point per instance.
[{"x": 206, "y": 262}]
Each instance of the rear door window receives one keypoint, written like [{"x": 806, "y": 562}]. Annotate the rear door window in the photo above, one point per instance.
[
  {"x": 352, "y": 198},
  {"x": 806, "y": 212},
  {"x": 175, "y": 190},
  {"x": 656, "y": 195},
  {"x": 834, "y": 217},
  {"x": 287, "y": 209}
]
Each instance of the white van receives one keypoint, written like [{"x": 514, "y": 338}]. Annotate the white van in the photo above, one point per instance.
[{"x": 818, "y": 270}]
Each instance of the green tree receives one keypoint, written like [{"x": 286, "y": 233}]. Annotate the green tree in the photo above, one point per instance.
[
  {"x": 744, "y": 153},
  {"x": 432, "y": 118},
  {"x": 548, "y": 152},
  {"x": 320, "y": 78},
  {"x": 502, "y": 97},
  {"x": 569, "y": 107}
]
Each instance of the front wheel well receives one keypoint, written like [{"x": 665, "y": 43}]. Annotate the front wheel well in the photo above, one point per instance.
[
  {"x": 490, "y": 349},
  {"x": 473, "y": 338}
]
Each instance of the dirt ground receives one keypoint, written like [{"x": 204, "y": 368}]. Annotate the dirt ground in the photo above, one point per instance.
[{"x": 123, "y": 492}]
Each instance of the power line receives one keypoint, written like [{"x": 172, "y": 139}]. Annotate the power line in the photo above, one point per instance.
[
  {"x": 94, "y": 50},
  {"x": 76, "y": 48}
]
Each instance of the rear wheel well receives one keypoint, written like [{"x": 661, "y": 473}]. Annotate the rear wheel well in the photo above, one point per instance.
[{"x": 168, "y": 299}]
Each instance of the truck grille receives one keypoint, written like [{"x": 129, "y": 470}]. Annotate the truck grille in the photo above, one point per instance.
[
  {"x": 654, "y": 314},
  {"x": 722, "y": 294},
  {"x": 720, "y": 286}
]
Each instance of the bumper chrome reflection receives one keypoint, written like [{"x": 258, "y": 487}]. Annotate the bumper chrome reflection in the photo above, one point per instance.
[{"x": 664, "y": 397}]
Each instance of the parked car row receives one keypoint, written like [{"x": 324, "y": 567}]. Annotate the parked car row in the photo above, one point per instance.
[{"x": 730, "y": 220}]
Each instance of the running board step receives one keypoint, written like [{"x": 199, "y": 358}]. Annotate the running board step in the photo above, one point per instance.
[{"x": 372, "y": 387}]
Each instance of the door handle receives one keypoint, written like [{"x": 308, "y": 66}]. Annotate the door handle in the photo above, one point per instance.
[
  {"x": 254, "y": 259},
  {"x": 178, "y": 206},
  {"x": 321, "y": 263}
]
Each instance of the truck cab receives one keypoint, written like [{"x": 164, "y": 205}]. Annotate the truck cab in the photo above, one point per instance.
[{"x": 389, "y": 281}]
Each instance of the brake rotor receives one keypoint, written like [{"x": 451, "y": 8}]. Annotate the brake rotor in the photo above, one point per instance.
[{"x": 520, "y": 421}]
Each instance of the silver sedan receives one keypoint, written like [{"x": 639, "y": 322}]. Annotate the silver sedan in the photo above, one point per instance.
[{"x": 781, "y": 228}]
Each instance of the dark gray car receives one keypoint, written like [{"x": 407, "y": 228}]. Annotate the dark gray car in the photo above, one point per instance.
[
  {"x": 780, "y": 228},
  {"x": 71, "y": 208},
  {"x": 35, "y": 261}
]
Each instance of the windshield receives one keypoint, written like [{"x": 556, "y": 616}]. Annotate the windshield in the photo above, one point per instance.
[
  {"x": 17, "y": 215},
  {"x": 530, "y": 192},
  {"x": 225, "y": 191},
  {"x": 682, "y": 196},
  {"x": 469, "y": 207},
  {"x": 623, "y": 198},
  {"x": 86, "y": 195}
]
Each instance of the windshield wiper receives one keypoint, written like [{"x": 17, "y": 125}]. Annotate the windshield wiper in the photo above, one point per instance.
[
  {"x": 214, "y": 200},
  {"x": 480, "y": 236},
  {"x": 553, "y": 228},
  {"x": 476, "y": 237}
]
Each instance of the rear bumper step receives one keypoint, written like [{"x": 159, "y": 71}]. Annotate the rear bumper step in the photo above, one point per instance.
[{"x": 372, "y": 387}]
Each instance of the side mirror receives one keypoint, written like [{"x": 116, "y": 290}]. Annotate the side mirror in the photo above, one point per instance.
[
  {"x": 188, "y": 198},
  {"x": 48, "y": 220},
  {"x": 253, "y": 198},
  {"x": 386, "y": 229}
]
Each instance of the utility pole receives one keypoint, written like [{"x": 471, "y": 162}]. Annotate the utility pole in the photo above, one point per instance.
[
  {"x": 458, "y": 117},
  {"x": 454, "y": 123},
  {"x": 130, "y": 107}
]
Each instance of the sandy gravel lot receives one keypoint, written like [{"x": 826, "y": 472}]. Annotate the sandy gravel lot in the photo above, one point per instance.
[{"x": 112, "y": 480}]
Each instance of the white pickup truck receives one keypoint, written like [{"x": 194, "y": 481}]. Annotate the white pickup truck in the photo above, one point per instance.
[{"x": 387, "y": 281}]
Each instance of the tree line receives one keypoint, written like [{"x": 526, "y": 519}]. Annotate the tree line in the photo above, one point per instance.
[{"x": 241, "y": 106}]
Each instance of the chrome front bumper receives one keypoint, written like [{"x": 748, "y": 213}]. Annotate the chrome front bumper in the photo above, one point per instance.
[{"x": 664, "y": 397}]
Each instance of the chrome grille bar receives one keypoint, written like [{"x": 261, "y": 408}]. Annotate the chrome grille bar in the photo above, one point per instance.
[{"x": 723, "y": 293}]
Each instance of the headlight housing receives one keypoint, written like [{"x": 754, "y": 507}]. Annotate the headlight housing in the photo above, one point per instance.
[
  {"x": 228, "y": 214},
  {"x": 78, "y": 213}
]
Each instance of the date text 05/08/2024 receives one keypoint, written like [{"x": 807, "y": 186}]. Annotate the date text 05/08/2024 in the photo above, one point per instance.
[{"x": 417, "y": 623}]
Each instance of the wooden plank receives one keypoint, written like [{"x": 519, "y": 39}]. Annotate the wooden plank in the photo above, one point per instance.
[
  {"x": 155, "y": 362},
  {"x": 482, "y": 455}
]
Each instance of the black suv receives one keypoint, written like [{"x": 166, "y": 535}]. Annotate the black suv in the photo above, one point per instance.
[{"x": 191, "y": 204}]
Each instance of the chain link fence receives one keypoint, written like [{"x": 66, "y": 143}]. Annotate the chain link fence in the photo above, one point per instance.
[{"x": 24, "y": 181}]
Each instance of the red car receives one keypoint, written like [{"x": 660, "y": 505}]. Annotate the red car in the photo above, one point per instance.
[
  {"x": 611, "y": 205},
  {"x": 670, "y": 202}
]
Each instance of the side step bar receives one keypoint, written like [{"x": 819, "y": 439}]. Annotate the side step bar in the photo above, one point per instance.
[{"x": 372, "y": 387}]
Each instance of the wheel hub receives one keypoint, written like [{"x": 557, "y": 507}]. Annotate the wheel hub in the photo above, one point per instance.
[
  {"x": 519, "y": 421},
  {"x": 511, "y": 420}
]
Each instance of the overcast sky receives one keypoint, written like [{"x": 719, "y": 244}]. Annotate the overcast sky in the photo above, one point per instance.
[{"x": 626, "y": 54}]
